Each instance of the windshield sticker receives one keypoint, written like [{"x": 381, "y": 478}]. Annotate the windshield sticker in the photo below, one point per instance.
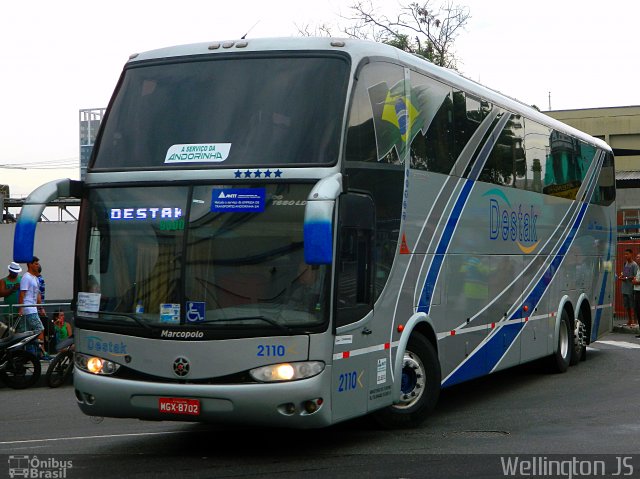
[
  {"x": 198, "y": 153},
  {"x": 170, "y": 313},
  {"x": 195, "y": 311},
  {"x": 233, "y": 200},
  {"x": 88, "y": 304}
]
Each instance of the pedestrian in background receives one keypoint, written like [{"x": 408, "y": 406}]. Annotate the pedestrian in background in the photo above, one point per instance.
[
  {"x": 629, "y": 271},
  {"x": 63, "y": 329},
  {"x": 30, "y": 298},
  {"x": 10, "y": 288},
  {"x": 636, "y": 291},
  {"x": 47, "y": 324}
]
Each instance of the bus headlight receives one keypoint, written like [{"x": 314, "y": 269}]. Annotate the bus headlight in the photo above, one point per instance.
[
  {"x": 95, "y": 365},
  {"x": 287, "y": 371}
]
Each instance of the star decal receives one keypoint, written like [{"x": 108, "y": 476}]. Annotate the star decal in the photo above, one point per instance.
[
  {"x": 278, "y": 173},
  {"x": 238, "y": 173},
  {"x": 247, "y": 174},
  {"x": 267, "y": 174},
  {"x": 257, "y": 173}
]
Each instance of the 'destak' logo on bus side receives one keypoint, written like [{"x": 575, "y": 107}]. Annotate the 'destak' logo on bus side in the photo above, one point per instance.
[{"x": 515, "y": 223}]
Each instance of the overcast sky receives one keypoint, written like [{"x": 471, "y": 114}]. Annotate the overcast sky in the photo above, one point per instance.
[{"x": 59, "y": 57}]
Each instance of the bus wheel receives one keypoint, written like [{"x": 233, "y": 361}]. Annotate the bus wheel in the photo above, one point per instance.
[
  {"x": 579, "y": 352},
  {"x": 419, "y": 385},
  {"x": 559, "y": 361}
]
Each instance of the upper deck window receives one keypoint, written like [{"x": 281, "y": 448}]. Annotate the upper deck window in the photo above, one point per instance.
[{"x": 226, "y": 112}]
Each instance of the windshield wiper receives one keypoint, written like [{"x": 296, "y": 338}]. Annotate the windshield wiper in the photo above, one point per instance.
[{"x": 272, "y": 322}]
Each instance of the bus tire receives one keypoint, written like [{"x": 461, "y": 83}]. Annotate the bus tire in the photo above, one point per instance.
[
  {"x": 579, "y": 352},
  {"x": 559, "y": 361},
  {"x": 420, "y": 386}
]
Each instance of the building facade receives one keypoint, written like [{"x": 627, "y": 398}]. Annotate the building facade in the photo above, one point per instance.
[{"x": 89, "y": 123}]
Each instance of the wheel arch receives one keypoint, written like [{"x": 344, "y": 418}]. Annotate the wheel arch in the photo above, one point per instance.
[
  {"x": 584, "y": 308},
  {"x": 564, "y": 305},
  {"x": 422, "y": 324}
]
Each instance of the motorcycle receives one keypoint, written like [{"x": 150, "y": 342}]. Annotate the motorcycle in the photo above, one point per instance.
[
  {"x": 62, "y": 365},
  {"x": 19, "y": 369}
]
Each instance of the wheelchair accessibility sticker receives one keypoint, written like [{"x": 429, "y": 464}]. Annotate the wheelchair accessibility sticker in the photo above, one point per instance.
[{"x": 195, "y": 311}]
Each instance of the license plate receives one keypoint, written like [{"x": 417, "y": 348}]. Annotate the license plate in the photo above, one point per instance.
[{"x": 189, "y": 407}]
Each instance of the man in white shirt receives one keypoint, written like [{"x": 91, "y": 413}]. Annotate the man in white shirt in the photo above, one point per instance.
[{"x": 30, "y": 297}]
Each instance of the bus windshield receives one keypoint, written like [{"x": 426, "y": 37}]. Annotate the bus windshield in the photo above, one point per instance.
[
  {"x": 167, "y": 256},
  {"x": 226, "y": 112}
]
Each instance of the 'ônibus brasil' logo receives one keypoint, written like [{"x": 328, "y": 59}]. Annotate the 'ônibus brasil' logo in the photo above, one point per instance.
[{"x": 515, "y": 223}]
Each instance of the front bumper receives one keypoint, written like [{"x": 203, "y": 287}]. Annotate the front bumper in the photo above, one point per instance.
[{"x": 265, "y": 404}]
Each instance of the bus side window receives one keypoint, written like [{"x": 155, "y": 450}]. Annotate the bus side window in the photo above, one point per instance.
[
  {"x": 354, "y": 289},
  {"x": 606, "y": 192},
  {"x": 432, "y": 149},
  {"x": 506, "y": 165}
]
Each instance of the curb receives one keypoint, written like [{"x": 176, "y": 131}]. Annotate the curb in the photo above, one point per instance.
[{"x": 625, "y": 329}]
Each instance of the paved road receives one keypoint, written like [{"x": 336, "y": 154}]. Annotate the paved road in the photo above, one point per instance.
[{"x": 592, "y": 409}]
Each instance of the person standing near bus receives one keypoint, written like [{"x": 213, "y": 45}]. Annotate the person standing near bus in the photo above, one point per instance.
[
  {"x": 10, "y": 286},
  {"x": 636, "y": 291},
  {"x": 48, "y": 333},
  {"x": 30, "y": 298},
  {"x": 629, "y": 271}
]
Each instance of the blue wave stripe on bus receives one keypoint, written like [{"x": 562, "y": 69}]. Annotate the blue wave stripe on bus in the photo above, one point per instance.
[
  {"x": 424, "y": 305},
  {"x": 436, "y": 265},
  {"x": 497, "y": 345},
  {"x": 536, "y": 294},
  {"x": 494, "y": 349},
  {"x": 603, "y": 289}
]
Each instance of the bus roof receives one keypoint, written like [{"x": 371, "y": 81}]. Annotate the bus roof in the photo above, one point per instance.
[{"x": 358, "y": 50}]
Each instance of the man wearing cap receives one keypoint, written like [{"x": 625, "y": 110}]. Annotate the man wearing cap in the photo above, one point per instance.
[{"x": 10, "y": 285}]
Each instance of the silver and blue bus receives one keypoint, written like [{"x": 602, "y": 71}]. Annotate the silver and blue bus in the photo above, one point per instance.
[{"x": 296, "y": 232}]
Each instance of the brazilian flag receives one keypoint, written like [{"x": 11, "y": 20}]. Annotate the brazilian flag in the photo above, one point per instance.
[{"x": 395, "y": 118}]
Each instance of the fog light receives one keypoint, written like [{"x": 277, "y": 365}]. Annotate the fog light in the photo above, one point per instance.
[
  {"x": 287, "y": 409},
  {"x": 312, "y": 405}
]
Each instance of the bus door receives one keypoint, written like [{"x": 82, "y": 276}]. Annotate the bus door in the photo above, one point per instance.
[{"x": 353, "y": 305}]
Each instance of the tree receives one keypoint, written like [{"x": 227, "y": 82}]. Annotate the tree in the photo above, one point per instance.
[{"x": 425, "y": 28}]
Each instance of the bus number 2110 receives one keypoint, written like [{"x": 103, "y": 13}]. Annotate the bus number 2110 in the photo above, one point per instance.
[
  {"x": 271, "y": 350},
  {"x": 347, "y": 381}
]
